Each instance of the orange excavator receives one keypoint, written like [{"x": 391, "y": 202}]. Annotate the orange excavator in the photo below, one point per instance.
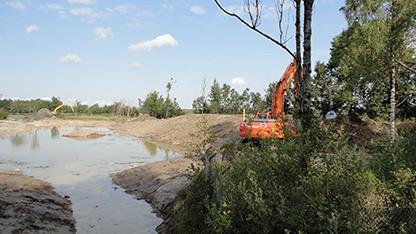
[{"x": 272, "y": 124}]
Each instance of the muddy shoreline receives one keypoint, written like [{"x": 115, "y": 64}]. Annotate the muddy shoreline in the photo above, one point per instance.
[
  {"x": 156, "y": 183},
  {"x": 28, "y": 205}
]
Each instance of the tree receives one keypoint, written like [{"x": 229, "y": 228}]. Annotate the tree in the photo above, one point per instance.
[
  {"x": 253, "y": 8},
  {"x": 155, "y": 105},
  {"x": 55, "y": 102},
  {"x": 215, "y": 98},
  {"x": 200, "y": 105},
  {"x": 305, "y": 82},
  {"x": 389, "y": 28}
]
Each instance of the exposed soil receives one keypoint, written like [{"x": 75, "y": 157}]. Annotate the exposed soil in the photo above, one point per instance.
[
  {"x": 181, "y": 132},
  {"x": 157, "y": 183},
  {"x": 178, "y": 133},
  {"x": 28, "y": 205},
  {"x": 12, "y": 127},
  {"x": 85, "y": 134}
]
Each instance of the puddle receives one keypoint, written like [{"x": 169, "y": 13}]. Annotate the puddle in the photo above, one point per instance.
[{"x": 81, "y": 170}]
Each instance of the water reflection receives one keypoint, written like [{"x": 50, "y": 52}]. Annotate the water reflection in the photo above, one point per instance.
[
  {"x": 35, "y": 142},
  {"x": 150, "y": 148},
  {"x": 153, "y": 149},
  {"x": 54, "y": 132},
  {"x": 81, "y": 170},
  {"x": 18, "y": 140}
]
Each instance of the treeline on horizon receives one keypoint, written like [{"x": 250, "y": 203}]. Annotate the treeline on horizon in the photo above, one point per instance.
[
  {"x": 350, "y": 92},
  {"x": 32, "y": 106}
]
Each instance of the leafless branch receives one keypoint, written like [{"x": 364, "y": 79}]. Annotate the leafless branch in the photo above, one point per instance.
[
  {"x": 253, "y": 26},
  {"x": 255, "y": 17},
  {"x": 400, "y": 103},
  {"x": 278, "y": 6},
  {"x": 405, "y": 66}
]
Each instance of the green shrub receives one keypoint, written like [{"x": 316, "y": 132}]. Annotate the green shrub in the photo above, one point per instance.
[
  {"x": 295, "y": 185},
  {"x": 157, "y": 106},
  {"x": 315, "y": 183},
  {"x": 395, "y": 165},
  {"x": 3, "y": 113},
  {"x": 191, "y": 206}
]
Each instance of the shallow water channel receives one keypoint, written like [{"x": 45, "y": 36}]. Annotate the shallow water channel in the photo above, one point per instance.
[{"x": 81, "y": 169}]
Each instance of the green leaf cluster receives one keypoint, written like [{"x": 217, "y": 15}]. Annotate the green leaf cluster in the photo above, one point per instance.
[{"x": 157, "y": 106}]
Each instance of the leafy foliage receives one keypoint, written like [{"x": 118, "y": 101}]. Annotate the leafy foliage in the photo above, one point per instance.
[
  {"x": 32, "y": 106},
  {"x": 3, "y": 113},
  {"x": 157, "y": 106},
  {"x": 315, "y": 183},
  {"x": 222, "y": 99},
  {"x": 361, "y": 59}
]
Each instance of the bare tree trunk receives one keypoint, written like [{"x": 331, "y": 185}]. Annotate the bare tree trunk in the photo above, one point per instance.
[
  {"x": 305, "y": 92},
  {"x": 392, "y": 73},
  {"x": 298, "y": 6},
  {"x": 392, "y": 109}
]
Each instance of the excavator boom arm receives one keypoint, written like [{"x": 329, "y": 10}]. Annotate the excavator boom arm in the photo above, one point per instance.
[
  {"x": 281, "y": 87},
  {"x": 64, "y": 104}
]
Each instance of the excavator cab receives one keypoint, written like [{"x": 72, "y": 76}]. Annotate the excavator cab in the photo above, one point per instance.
[{"x": 263, "y": 115}]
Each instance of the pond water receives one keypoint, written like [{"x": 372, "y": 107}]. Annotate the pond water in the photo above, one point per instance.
[{"x": 81, "y": 169}]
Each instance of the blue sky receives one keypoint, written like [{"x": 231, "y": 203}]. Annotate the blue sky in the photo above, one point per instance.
[{"x": 104, "y": 51}]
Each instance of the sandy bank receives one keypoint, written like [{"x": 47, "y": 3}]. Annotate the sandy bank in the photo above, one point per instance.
[
  {"x": 28, "y": 205},
  {"x": 181, "y": 132},
  {"x": 157, "y": 183},
  {"x": 12, "y": 127},
  {"x": 177, "y": 133},
  {"x": 85, "y": 134}
]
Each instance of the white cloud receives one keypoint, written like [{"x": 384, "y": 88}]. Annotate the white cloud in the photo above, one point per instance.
[
  {"x": 103, "y": 33},
  {"x": 32, "y": 28},
  {"x": 86, "y": 13},
  {"x": 123, "y": 8},
  {"x": 18, "y": 5},
  {"x": 82, "y": 1},
  {"x": 53, "y": 7},
  {"x": 163, "y": 40},
  {"x": 70, "y": 59},
  {"x": 135, "y": 65},
  {"x": 198, "y": 10},
  {"x": 238, "y": 81}
]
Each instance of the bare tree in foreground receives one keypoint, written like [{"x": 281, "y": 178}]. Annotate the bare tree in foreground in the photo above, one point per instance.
[{"x": 253, "y": 8}]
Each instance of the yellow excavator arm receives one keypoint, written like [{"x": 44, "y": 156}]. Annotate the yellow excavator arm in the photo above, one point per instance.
[{"x": 60, "y": 106}]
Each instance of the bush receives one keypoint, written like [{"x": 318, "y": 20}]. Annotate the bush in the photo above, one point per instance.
[
  {"x": 191, "y": 206},
  {"x": 309, "y": 185},
  {"x": 157, "y": 106},
  {"x": 3, "y": 113},
  {"x": 314, "y": 183},
  {"x": 395, "y": 165}
]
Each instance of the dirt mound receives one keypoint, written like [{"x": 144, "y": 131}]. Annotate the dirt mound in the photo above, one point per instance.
[
  {"x": 181, "y": 131},
  {"x": 144, "y": 117},
  {"x": 41, "y": 114},
  {"x": 362, "y": 131},
  {"x": 85, "y": 134},
  {"x": 29, "y": 205}
]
